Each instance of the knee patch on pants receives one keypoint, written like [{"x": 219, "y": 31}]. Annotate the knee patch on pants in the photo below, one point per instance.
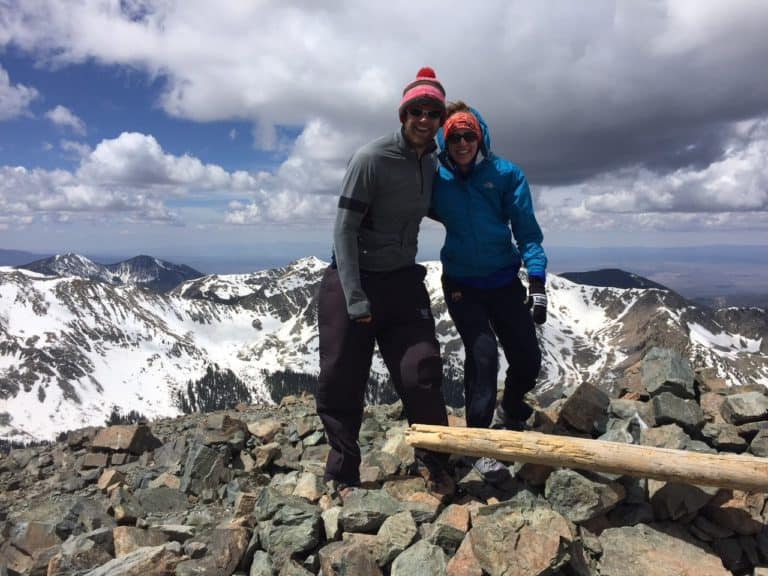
[
  {"x": 422, "y": 367},
  {"x": 485, "y": 350},
  {"x": 430, "y": 371}
]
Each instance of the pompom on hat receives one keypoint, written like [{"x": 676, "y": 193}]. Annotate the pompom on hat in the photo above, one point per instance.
[{"x": 425, "y": 87}]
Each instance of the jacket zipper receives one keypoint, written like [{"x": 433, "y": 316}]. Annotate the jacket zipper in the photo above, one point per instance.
[{"x": 421, "y": 178}]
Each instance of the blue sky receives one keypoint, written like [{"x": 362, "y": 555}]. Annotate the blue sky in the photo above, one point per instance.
[
  {"x": 194, "y": 132},
  {"x": 111, "y": 100}
]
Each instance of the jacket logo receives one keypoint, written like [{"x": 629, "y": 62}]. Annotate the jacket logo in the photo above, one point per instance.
[{"x": 489, "y": 185}]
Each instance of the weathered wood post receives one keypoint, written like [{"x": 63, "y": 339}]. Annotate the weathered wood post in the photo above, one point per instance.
[{"x": 721, "y": 470}]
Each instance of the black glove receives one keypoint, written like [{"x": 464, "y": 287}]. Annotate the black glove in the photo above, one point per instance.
[{"x": 537, "y": 299}]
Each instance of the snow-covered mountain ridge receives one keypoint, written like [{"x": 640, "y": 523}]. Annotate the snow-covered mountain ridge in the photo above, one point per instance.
[
  {"x": 72, "y": 348},
  {"x": 147, "y": 271}
]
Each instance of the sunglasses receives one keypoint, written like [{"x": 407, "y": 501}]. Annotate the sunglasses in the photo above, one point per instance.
[
  {"x": 456, "y": 137},
  {"x": 419, "y": 112}
]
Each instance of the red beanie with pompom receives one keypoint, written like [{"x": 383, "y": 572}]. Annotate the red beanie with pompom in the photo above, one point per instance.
[{"x": 425, "y": 87}]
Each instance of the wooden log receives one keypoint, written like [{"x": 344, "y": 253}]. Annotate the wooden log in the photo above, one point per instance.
[{"x": 733, "y": 471}]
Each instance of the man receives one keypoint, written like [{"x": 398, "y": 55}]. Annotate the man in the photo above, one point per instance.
[{"x": 373, "y": 291}]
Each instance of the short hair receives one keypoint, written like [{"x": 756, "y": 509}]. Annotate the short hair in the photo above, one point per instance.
[{"x": 457, "y": 106}]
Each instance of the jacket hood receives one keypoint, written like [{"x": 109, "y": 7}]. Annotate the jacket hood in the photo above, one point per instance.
[{"x": 485, "y": 144}]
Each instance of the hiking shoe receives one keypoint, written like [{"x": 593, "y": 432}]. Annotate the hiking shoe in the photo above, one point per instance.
[
  {"x": 340, "y": 488},
  {"x": 505, "y": 421},
  {"x": 492, "y": 471},
  {"x": 437, "y": 478}
]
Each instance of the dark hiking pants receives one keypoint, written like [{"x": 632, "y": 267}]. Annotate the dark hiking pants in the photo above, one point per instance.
[
  {"x": 404, "y": 329},
  {"x": 481, "y": 316}
]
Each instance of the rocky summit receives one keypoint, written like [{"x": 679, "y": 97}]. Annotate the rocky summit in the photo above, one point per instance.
[{"x": 241, "y": 492}]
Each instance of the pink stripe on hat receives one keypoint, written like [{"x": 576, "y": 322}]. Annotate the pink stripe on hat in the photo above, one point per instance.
[{"x": 425, "y": 87}]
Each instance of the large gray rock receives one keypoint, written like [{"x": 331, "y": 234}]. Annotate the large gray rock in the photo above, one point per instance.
[
  {"x": 667, "y": 436},
  {"x": 388, "y": 463},
  {"x": 421, "y": 558},
  {"x": 133, "y": 439},
  {"x": 366, "y": 510},
  {"x": 664, "y": 370},
  {"x": 759, "y": 444},
  {"x": 331, "y": 522},
  {"x": 744, "y": 408},
  {"x": 309, "y": 486},
  {"x": 643, "y": 550},
  {"x": 161, "y": 500},
  {"x": 347, "y": 559},
  {"x": 271, "y": 501},
  {"x": 464, "y": 562},
  {"x": 170, "y": 456},
  {"x": 81, "y": 553},
  {"x": 125, "y": 507},
  {"x": 306, "y": 425},
  {"x": 203, "y": 470},
  {"x": 749, "y": 430},
  {"x": 621, "y": 431},
  {"x": 33, "y": 537},
  {"x": 226, "y": 548},
  {"x": 625, "y": 409},
  {"x": 578, "y": 498},
  {"x": 151, "y": 561},
  {"x": 261, "y": 565},
  {"x": 221, "y": 429},
  {"x": 521, "y": 536},
  {"x": 678, "y": 501},
  {"x": 450, "y": 528},
  {"x": 130, "y": 538},
  {"x": 292, "y": 531},
  {"x": 585, "y": 409},
  {"x": 85, "y": 515},
  {"x": 395, "y": 535},
  {"x": 724, "y": 437},
  {"x": 670, "y": 409}
]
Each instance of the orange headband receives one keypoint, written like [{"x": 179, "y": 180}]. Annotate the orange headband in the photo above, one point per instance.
[{"x": 462, "y": 121}]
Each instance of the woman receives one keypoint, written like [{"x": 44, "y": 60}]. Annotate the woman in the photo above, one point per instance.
[{"x": 484, "y": 201}]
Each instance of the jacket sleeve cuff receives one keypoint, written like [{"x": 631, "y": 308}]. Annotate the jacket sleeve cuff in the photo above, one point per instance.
[{"x": 359, "y": 309}]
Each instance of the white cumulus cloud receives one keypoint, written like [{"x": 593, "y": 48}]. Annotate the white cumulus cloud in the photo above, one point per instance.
[
  {"x": 14, "y": 99},
  {"x": 129, "y": 176},
  {"x": 63, "y": 116},
  {"x": 625, "y": 115}
]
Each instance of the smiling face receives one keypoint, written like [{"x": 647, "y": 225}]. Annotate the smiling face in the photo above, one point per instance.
[
  {"x": 462, "y": 148},
  {"x": 420, "y": 125}
]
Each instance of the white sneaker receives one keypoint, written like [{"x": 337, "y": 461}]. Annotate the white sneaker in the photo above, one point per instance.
[{"x": 491, "y": 470}]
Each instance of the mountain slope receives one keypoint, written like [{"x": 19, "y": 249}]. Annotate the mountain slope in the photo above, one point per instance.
[
  {"x": 69, "y": 264},
  {"x": 71, "y": 349},
  {"x": 151, "y": 273},
  {"x": 611, "y": 278}
]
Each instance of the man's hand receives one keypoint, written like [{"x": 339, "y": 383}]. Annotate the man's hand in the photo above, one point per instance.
[{"x": 537, "y": 299}]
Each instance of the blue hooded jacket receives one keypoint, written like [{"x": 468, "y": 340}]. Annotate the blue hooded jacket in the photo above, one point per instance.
[{"x": 482, "y": 212}]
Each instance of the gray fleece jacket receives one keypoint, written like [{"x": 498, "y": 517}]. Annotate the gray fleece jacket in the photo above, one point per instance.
[{"x": 386, "y": 192}]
